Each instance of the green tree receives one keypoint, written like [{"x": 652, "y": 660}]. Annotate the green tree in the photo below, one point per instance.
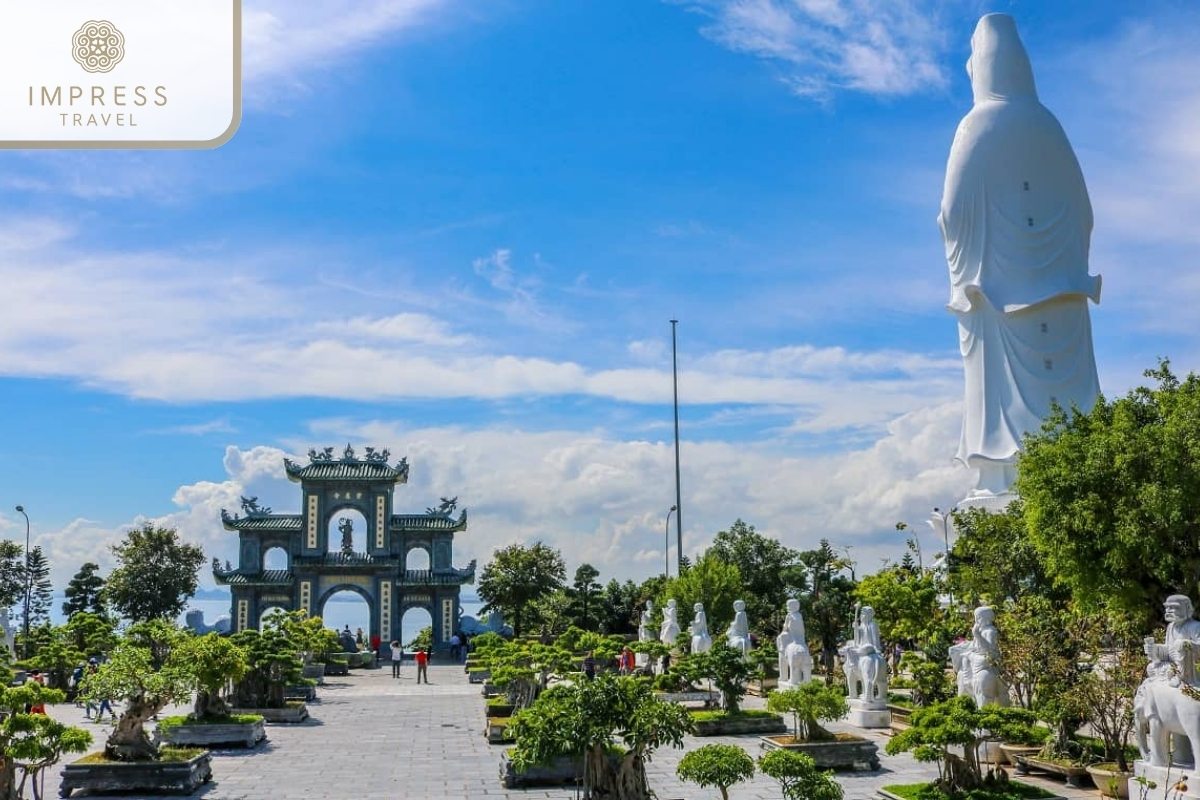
[
  {"x": 710, "y": 581},
  {"x": 728, "y": 670},
  {"x": 156, "y": 574},
  {"x": 41, "y": 592},
  {"x": 12, "y": 573},
  {"x": 516, "y": 577},
  {"x": 994, "y": 560},
  {"x": 585, "y": 597},
  {"x": 1112, "y": 495},
  {"x": 905, "y": 603},
  {"x": 83, "y": 591},
  {"x": 215, "y": 660},
  {"x": 90, "y": 633},
  {"x": 619, "y": 609},
  {"x": 771, "y": 573},
  {"x": 829, "y": 608},
  {"x": 947, "y": 733},
  {"x": 799, "y": 777},
  {"x": 586, "y": 719},
  {"x": 809, "y": 703},
  {"x": 719, "y": 765},
  {"x": 32, "y": 742},
  {"x": 147, "y": 682}
]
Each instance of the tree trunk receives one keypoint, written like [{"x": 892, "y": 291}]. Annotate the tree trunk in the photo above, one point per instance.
[
  {"x": 209, "y": 705},
  {"x": 129, "y": 742},
  {"x": 8, "y": 779}
]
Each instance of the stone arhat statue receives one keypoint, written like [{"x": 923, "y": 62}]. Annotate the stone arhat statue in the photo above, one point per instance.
[
  {"x": 738, "y": 635},
  {"x": 701, "y": 641},
  {"x": 670, "y": 625}
]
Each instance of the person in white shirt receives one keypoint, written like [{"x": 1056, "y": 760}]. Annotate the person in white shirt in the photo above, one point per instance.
[{"x": 397, "y": 657}]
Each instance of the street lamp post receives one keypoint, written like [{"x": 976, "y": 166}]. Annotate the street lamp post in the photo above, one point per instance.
[
  {"x": 941, "y": 519},
  {"x": 667, "y": 543},
  {"x": 25, "y": 626}
]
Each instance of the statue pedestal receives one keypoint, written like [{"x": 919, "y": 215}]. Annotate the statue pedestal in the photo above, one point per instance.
[
  {"x": 995, "y": 503},
  {"x": 863, "y": 716},
  {"x": 1167, "y": 778}
]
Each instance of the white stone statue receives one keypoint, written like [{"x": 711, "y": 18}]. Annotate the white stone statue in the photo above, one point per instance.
[
  {"x": 670, "y": 625},
  {"x": 863, "y": 660},
  {"x": 976, "y": 662},
  {"x": 645, "y": 631},
  {"x": 795, "y": 661},
  {"x": 1167, "y": 718},
  {"x": 7, "y": 632},
  {"x": 701, "y": 641},
  {"x": 1016, "y": 222},
  {"x": 738, "y": 635}
]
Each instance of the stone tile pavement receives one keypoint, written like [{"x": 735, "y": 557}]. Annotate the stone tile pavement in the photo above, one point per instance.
[{"x": 374, "y": 737}]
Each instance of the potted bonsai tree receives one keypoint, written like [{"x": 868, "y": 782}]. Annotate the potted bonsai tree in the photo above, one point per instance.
[
  {"x": 1105, "y": 690},
  {"x": 215, "y": 660},
  {"x": 799, "y": 777},
  {"x": 809, "y": 704},
  {"x": 272, "y": 665},
  {"x": 148, "y": 671},
  {"x": 32, "y": 742}
]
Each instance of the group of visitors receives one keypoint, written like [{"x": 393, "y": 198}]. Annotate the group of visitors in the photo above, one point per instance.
[
  {"x": 75, "y": 683},
  {"x": 460, "y": 646},
  {"x": 421, "y": 658}
]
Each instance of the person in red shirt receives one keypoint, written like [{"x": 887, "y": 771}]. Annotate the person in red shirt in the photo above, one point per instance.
[{"x": 422, "y": 659}]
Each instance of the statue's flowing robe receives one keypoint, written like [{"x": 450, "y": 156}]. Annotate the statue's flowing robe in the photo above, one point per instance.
[{"x": 1016, "y": 222}]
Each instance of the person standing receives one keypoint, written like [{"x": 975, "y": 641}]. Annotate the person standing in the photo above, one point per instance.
[
  {"x": 422, "y": 658},
  {"x": 397, "y": 657},
  {"x": 455, "y": 647}
]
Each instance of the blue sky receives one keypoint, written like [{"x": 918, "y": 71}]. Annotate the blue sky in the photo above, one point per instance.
[{"x": 459, "y": 230}]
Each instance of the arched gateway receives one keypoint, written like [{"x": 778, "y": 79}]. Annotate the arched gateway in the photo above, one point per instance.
[{"x": 317, "y": 567}]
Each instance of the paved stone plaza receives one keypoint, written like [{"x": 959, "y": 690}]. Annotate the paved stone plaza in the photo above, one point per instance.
[{"x": 371, "y": 736}]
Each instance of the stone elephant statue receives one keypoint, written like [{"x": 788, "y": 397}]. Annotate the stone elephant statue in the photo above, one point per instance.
[{"x": 1161, "y": 710}]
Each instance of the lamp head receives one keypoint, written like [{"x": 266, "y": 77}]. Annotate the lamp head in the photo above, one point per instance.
[
  {"x": 674, "y": 508},
  {"x": 21, "y": 509}
]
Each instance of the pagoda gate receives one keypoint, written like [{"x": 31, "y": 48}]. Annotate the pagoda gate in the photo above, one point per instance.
[{"x": 317, "y": 568}]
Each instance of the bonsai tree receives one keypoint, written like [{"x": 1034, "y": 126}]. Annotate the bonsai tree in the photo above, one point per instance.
[
  {"x": 937, "y": 733},
  {"x": 32, "y": 742},
  {"x": 719, "y": 765},
  {"x": 523, "y": 669},
  {"x": 727, "y": 669},
  {"x": 423, "y": 640},
  {"x": 808, "y": 704},
  {"x": 1104, "y": 691},
  {"x": 926, "y": 678},
  {"x": 146, "y": 689},
  {"x": 585, "y": 720},
  {"x": 1013, "y": 725},
  {"x": 272, "y": 664},
  {"x": 215, "y": 660},
  {"x": 308, "y": 635},
  {"x": 799, "y": 777}
]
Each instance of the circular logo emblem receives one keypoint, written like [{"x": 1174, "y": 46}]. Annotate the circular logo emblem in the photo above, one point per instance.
[{"x": 98, "y": 46}]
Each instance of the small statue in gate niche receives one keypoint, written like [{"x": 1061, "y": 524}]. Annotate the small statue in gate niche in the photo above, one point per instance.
[{"x": 346, "y": 526}]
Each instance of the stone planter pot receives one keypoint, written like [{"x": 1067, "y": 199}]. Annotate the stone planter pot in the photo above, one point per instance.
[
  {"x": 305, "y": 693},
  {"x": 1110, "y": 781},
  {"x": 737, "y": 727},
  {"x": 497, "y": 710},
  {"x": 709, "y": 699},
  {"x": 1013, "y": 751},
  {"x": 291, "y": 714},
  {"x": 246, "y": 734},
  {"x": 183, "y": 777},
  {"x": 496, "y": 730},
  {"x": 337, "y": 667},
  {"x": 563, "y": 770},
  {"x": 479, "y": 675},
  {"x": 315, "y": 672},
  {"x": 1072, "y": 774},
  {"x": 845, "y": 753}
]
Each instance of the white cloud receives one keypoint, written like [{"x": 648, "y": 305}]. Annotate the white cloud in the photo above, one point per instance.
[
  {"x": 884, "y": 47},
  {"x": 600, "y": 498}
]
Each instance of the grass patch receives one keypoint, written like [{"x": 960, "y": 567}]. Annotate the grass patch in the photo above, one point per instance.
[
  {"x": 169, "y": 755},
  {"x": 498, "y": 700},
  {"x": 1014, "y": 790},
  {"x": 232, "y": 719},
  {"x": 702, "y": 715}
]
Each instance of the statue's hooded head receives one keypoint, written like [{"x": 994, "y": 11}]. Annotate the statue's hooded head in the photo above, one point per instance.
[{"x": 999, "y": 66}]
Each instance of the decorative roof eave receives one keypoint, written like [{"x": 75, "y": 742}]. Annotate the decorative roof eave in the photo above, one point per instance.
[
  {"x": 438, "y": 577},
  {"x": 372, "y": 467},
  {"x": 228, "y": 576},
  {"x": 428, "y": 522},
  {"x": 262, "y": 522}
]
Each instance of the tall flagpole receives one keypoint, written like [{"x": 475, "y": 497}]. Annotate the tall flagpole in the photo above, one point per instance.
[{"x": 678, "y": 496}]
